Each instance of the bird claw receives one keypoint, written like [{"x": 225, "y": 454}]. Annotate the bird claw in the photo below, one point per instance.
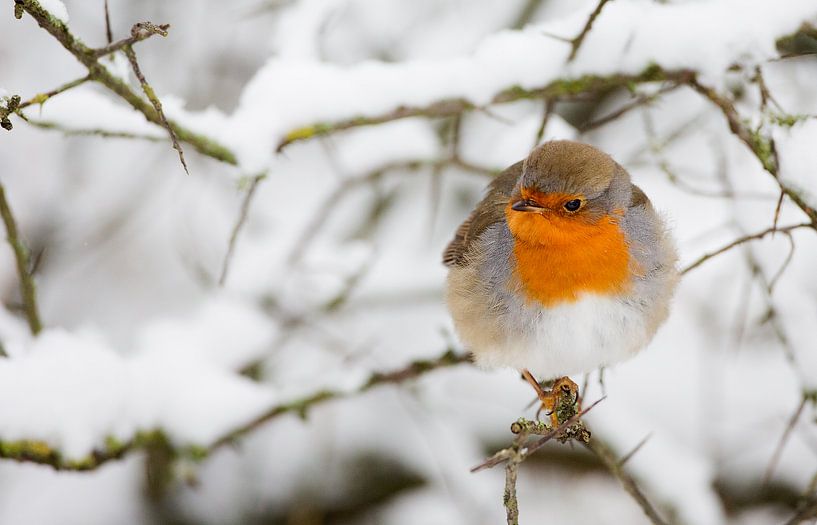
[{"x": 560, "y": 403}]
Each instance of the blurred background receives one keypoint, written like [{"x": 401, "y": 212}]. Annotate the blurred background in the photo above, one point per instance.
[{"x": 281, "y": 287}]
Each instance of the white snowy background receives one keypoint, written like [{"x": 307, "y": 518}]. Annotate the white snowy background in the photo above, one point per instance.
[{"x": 140, "y": 336}]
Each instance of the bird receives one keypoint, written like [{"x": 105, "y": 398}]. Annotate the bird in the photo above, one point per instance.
[{"x": 562, "y": 268}]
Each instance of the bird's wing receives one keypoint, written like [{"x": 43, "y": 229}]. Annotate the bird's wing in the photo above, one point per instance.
[
  {"x": 490, "y": 210},
  {"x": 639, "y": 198}
]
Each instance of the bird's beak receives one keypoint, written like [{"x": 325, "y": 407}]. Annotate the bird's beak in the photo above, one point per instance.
[{"x": 526, "y": 205}]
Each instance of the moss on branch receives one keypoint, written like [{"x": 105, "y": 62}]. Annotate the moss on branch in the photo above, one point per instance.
[
  {"x": 33, "y": 451},
  {"x": 98, "y": 73}
]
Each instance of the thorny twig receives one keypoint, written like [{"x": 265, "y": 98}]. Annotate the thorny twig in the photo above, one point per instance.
[
  {"x": 151, "y": 95},
  {"x": 27, "y": 287},
  {"x": 576, "y": 43}
]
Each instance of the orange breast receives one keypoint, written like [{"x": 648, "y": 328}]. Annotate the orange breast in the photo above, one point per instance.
[{"x": 560, "y": 257}]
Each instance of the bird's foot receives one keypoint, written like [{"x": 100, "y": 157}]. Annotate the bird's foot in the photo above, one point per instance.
[{"x": 560, "y": 403}]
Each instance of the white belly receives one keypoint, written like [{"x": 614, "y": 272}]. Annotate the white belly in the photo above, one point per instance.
[{"x": 566, "y": 339}]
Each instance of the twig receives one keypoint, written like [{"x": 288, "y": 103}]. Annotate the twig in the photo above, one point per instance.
[
  {"x": 140, "y": 31},
  {"x": 151, "y": 95},
  {"x": 809, "y": 512},
  {"x": 108, "y": 32},
  {"x": 547, "y": 111},
  {"x": 518, "y": 451},
  {"x": 640, "y": 100},
  {"x": 566, "y": 89},
  {"x": 316, "y": 224},
  {"x": 509, "y": 497},
  {"x": 776, "y": 277},
  {"x": 242, "y": 218},
  {"x": 98, "y": 73},
  {"x": 302, "y": 406},
  {"x": 767, "y": 476},
  {"x": 92, "y": 132},
  {"x": 762, "y": 146},
  {"x": 635, "y": 449},
  {"x": 38, "y": 452},
  {"x": 576, "y": 43},
  {"x": 526, "y": 14},
  {"x": 615, "y": 467},
  {"x": 522, "y": 426},
  {"x": 742, "y": 240},
  {"x": 777, "y": 209},
  {"x": 27, "y": 287},
  {"x": 40, "y": 98}
]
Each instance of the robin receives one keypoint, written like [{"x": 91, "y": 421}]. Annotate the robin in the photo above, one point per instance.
[{"x": 562, "y": 268}]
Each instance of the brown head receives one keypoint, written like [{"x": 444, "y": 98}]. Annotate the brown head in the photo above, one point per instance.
[
  {"x": 566, "y": 185},
  {"x": 564, "y": 214}
]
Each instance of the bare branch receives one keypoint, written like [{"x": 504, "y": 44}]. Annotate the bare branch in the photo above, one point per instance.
[
  {"x": 547, "y": 111},
  {"x": 27, "y": 287},
  {"x": 526, "y": 14},
  {"x": 760, "y": 145},
  {"x": 639, "y": 101},
  {"x": 40, "y": 98},
  {"x": 140, "y": 31},
  {"x": 242, "y": 218},
  {"x": 561, "y": 89},
  {"x": 767, "y": 476},
  {"x": 525, "y": 427},
  {"x": 614, "y": 465},
  {"x": 576, "y": 43},
  {"x": 108, "y": 33},
  {"x": 157, "y": 104},
  {"x": 42, "y": 453},
  {"x": 635, "y": 450},
  {"x": 98, "y": 73},
  {"x": 742, "y": 240}
]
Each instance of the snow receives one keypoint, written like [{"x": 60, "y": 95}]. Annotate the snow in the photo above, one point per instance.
[
  {"x": 84, "y": 109},
  {"x": 795, "y": 145},
  {"x": 292, "y": 91},
  {"x": 82, "y": 392},
  {"x": 56, "y": 8},
  {"x": 140, "y": 336}
]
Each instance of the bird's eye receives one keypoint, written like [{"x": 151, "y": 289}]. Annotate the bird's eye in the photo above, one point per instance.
[{"x": 573, "y": 205}]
